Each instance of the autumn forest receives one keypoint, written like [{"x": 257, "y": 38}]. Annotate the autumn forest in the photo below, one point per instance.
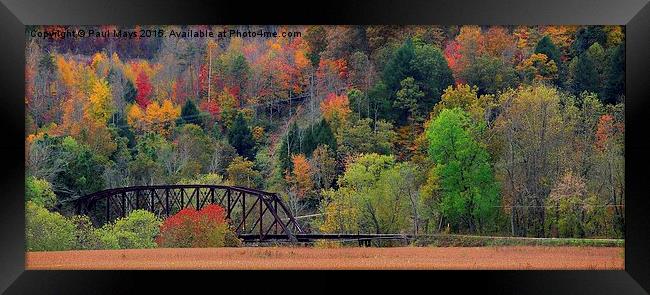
[{"x": 483, "y": 130}]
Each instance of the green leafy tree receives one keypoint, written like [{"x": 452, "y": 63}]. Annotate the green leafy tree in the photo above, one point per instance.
[
  {"x": 535, "y": 124},
  {"x": 241, "y": 173},
  {"x": 316, "y": 37},
  {"x": 361, "y": 137},
  {"x": 81, "y": 174},
  {"x": 432, "y": 74},
  {"x": 587, "y": 36},
  {"x": 146, "y": 168},
  {"x": 408, "y": 97},
  {"x": 399, "y": 66},
  {"x": 222, "y": 156},
  {"x": 470, "y": 193},
  {"x": 124, "y": 130},
  {"x": 342, "y": 211},
  {"x": 374, "y": 191},
  {"x": 88, "y": 237},
  {"x": 144, "y": 225},
  {"x": 138, "y": 230},
  {"x": 47, "y": 231},
  {"x": 394, "y": 200},
  {"x": 40, "y": 192},
  {"x": 490, "y": 74},
  {"x": 208, "y": 179},
  {"x": 380, "y": 103},
  {"x": 190, "y": 154}
]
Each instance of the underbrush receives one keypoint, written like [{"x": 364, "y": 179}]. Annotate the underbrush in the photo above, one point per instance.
[
  {"x": 51, "y": 231},
  {"x": 486, "y": 241}
]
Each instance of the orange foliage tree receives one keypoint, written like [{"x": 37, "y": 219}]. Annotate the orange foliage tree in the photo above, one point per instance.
[
  {"x": 301, "y": 178},
  {"x": 336, "y": 110}
]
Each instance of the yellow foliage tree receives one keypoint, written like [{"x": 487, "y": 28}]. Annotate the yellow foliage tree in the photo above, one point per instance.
[
  {"x": 562, "y": 36},
  {"x": 160, "y": 118},
  {"x": 135, "y": 117},
  {"x": 101, "y": 102},
  {"x": 341, "y": 212},
  {"x": 538, "y": 67},
  {"x": 465, "y": 97},
  {"x": 67, "y": 71},
  {"x": 258, "y": 133},
  {"x": 99, "y": 63}
]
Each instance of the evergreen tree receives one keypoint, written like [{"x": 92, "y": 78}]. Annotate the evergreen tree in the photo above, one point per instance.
[
  {"x": 318, "y": 134},
  {"x": 586, "y": 36},
  {"x": 399, "y": 66},
  {"x": 308, "y": 141},
  {"x": 323, "y": 135},
  {"x": 124, "y": 130},
  {"x": 585, "y": 76},
  {"x": 190, "y": 114},
  {"x": 290, "y": 146},
  {"x": 616, "y": 76},
  {"x": 426, "y": 65},
  {"x": 130, "y": 92},
  {"x": 241, "y": 138},
  {"x": 547, "y": 47},
  {"x": 432, "y": 73}
]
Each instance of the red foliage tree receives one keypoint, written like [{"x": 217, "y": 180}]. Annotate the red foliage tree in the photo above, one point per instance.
[
  {"x": 144, "y": 90},
  {"x": 605, "y": 131},
  {"x": 179, "y": 94},
  {"x": 203, "y": 81},
  {"x": 453, "y": 56},
  {"x": 192, "y": 228},
  {"x": 211, "y": 107}
]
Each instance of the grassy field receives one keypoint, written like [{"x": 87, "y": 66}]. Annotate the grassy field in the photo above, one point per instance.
[{"x": 511, "y": 257}]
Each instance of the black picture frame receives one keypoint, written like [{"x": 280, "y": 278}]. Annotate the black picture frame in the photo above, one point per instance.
[{"x": 15, "y": 14}]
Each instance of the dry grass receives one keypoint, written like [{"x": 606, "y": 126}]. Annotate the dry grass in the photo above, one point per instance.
[{"x": 518, "y": 257}]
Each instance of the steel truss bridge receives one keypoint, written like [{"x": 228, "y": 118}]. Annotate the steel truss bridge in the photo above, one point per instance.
[{"x": 255, "y": 215}]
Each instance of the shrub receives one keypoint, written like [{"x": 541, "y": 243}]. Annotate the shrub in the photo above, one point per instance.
[
  {"x": 231, "y": 239},
  {"x": 191, "y": 228},
  {"x": 324, "y": 244},
  {"x": 88, "y": 237},
  {"x": 40, "y": 192},
  {"x": 107, "y": 237},
  {"x": 137, "y": 230},
  {"x": 48, "y": 231}
]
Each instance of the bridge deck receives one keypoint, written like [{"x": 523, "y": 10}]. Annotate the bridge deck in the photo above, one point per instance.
[{"x": 310, "y": 237}]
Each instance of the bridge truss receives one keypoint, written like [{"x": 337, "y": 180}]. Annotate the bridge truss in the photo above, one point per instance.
[{"x": 253, "y": 214}]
